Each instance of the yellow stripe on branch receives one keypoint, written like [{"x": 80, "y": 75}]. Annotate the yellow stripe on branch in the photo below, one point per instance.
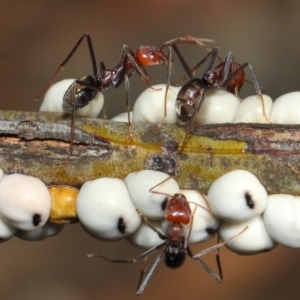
[{"x": 38, "y": 144}]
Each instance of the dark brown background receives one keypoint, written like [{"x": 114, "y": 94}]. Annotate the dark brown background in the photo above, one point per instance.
[{"x": 37, "y": 35}]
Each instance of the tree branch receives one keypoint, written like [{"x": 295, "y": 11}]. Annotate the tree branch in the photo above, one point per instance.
[{"x": 38, "y": 144}]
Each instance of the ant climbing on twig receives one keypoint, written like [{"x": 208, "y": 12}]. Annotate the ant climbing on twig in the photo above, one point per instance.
[
  {"x": 178, "y": 212},
  {"x": 85, "y": 88},
  {"x": 227, "y": 75}
]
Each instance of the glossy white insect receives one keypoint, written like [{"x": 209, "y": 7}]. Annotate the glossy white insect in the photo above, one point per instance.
[
  {"x": 282, "y": 219},
  {"x": 285, "y": 109},
  {"x": 53, "y": 100},
  {"x": 219, "y": 106},
  {"x": 105, "y": 210},
  {"x": 24, "y": 201},
  {"x": 48, "y": 230},
  {"x": 123, "y": 117},
  {"x": 6, "y": 231},
  {"x": 150, "y": 105},
  {"x": 145, "y": 237},
  {"x": 149, "y": 193},
  {"x": 237, "y": 196},
  {"x": 253, "y": 110},
  {"x": 255, "y": 239}
]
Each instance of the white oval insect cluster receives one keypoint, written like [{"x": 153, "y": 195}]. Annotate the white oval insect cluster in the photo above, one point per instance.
[{"x": 237, "y": 207}]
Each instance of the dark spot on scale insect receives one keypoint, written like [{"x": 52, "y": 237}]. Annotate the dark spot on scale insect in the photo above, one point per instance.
[
  {"x": 211, "y": 230},
  {"x": 164, "y": 204},
  {"x": 36, "y": 219},
  {"x": 121, "y": 225},
  {"x": 249, "y": 201}
]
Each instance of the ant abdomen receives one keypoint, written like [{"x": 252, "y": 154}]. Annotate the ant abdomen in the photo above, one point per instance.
[{"x": 187, "y": 99}]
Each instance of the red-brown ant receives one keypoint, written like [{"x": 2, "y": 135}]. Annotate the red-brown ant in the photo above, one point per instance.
[
  {"x": 227, "y": 75},
  {"x": 178, "y": 212},
  {"x": 84, "y": 89}
]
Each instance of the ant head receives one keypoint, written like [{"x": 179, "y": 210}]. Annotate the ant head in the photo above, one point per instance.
[
  {"x": 178, "y": 210},
  {"x": 150, "y": 56}
]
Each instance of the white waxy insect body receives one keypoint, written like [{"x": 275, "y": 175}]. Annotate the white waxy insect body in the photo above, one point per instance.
[
  {"x": 282, "y": 219},
  {"x": 150, "y": 105},
  {"x": 123, "y": 117},
  {"x": 237, "y": 196},
  {"x": 145, "y": 237},
  {"x": 6, "y": 231},
  {"x": 105, "y": 210},
  {"x": 48, "y": 230},
  {"x": 25, "y": 201},
  {"x": 252, "y": 109},
  {"x": 285, "y": 109},
  {"x": 219, "y": 106},
  {"x": 53, "y": 100},
  {"x": 255, "y": 239},
  {"x": 151, "y": 204}
]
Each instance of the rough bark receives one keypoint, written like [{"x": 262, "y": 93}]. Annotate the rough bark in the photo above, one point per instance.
[{"x": 38, "y": 144}]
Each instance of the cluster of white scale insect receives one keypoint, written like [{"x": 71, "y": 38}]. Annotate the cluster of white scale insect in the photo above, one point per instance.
[
  {"x": 111, "y": 209},
  {"x": 219, "y": 106}
]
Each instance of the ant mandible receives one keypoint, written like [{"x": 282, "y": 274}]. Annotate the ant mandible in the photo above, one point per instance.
[{"x": 178, "y": 212}]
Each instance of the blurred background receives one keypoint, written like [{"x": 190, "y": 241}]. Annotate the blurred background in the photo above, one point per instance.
[{"x": 37, "y": 35}]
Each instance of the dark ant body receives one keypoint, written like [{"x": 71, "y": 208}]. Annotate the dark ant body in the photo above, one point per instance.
[
  {"x": 84, "y": 89},
  {"x": 227, "y": 75},
  {"x": 178, "y": 212}
]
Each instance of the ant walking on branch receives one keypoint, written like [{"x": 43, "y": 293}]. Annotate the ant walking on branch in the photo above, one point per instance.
[
  {"x": 227, "y": 75},
  {"x": 178, "y": 213}
]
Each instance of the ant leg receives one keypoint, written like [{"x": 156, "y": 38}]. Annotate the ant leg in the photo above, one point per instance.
[
  {"x": 162, "y": 236},
  {"x": 92, "y": 57},
  {"x": 216, "y": 277},
  {"x": 215, "y": 247},
  {"x": 126, "y": 82},
  {"x": 254, "y": 81},
  {"x": 160, "y": 193},
  {"x": 145, "y": 280}
]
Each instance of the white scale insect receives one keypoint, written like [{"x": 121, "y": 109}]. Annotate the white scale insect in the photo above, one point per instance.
[
  {"x": 54, "y": 100},
  {"x": 160, "y": 201}
]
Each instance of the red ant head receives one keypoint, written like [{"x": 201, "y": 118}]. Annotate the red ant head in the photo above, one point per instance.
[
  {"x": 178, "y": 210},
  {"x": 150, "y": 56}
]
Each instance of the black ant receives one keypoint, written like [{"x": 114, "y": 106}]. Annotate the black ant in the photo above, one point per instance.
[
  {"x": 178, "y": 212},
  {"x": 227, "y": 75}
]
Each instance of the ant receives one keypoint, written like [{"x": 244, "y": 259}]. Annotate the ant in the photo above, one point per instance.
[
  {"x": 227, "y": 75},
  {"x": 178, "y": 212},
  {"x": 84, "y": 89}
]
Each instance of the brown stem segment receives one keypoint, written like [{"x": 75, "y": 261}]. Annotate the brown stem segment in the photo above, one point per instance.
[{"x": 37, "y": 144}]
